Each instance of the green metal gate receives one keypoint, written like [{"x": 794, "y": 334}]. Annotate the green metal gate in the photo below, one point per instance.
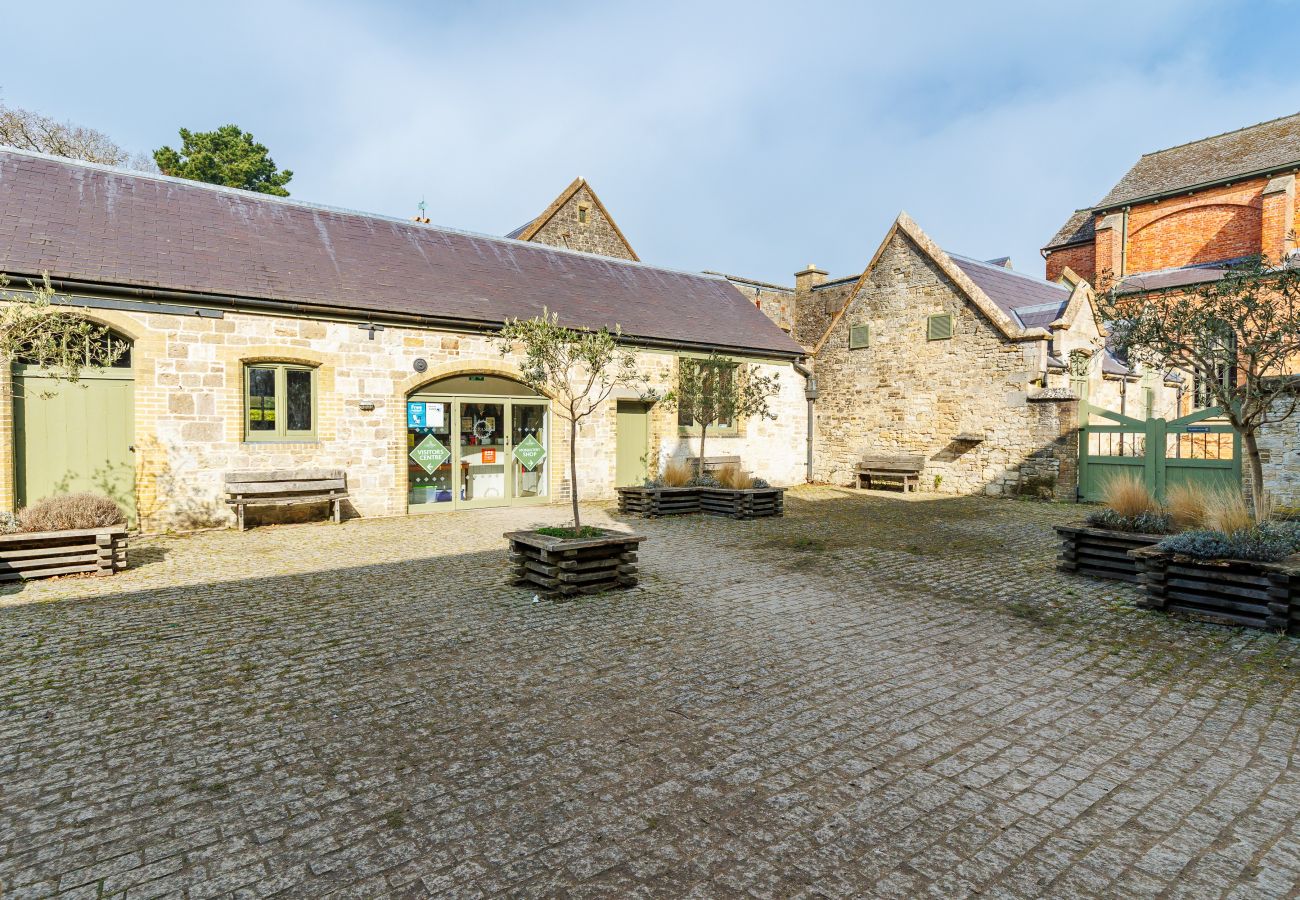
[
  {"x": 71, "y": 437},
  {"x": 1201, "y": 448}
]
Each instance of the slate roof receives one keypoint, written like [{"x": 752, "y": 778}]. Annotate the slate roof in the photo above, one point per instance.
[
  {"x": 1080, "y": 228},
  {"x": 1269, "y": 145},
  {"x": 1030, "y": 301},
  {"x": 82, "y": 221},
  {"x": 1172, "y": 278}
]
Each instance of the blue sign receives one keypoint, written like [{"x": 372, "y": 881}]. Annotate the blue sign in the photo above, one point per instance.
[
  {"x": 415, "y": 415},
  {"x": 1198, "y": 429}
]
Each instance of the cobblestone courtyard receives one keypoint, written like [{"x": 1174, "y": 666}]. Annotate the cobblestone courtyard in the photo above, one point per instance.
[{"x": 873, "y": 697}]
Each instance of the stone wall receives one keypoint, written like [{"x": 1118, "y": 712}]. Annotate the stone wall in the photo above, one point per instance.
[
  {"x": 905, "y": 394},
  {"x": 776, "y": 302},
  {"x": 189, "y": 411},
  {"x": 597, "y": 235}
]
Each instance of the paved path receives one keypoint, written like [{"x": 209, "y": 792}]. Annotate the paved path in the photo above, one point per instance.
[{"x": 873, "y": 697}]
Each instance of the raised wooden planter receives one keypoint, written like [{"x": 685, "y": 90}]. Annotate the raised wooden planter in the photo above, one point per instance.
[
  {"x": 1228, "y": 591},
  {"x": 1100, "y": 552},
  {"x": 42, "y": 554},
  {"x": 650, "y": 503},
  {"x": 753, "y": 503},
  {"x": 568, "y": 566}
]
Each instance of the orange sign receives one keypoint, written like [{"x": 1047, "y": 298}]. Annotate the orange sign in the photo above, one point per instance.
[{"x": 489, "y": 456}]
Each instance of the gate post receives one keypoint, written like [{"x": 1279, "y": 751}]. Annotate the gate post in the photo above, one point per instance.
[{"x": 1157, "y": 429}]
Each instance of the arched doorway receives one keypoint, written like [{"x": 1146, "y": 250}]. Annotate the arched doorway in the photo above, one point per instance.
[
  {"x": 476, "y": 441},
  {"x": 72, "y": 437}
]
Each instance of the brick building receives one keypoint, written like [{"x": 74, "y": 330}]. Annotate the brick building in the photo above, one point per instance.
[
  {"x": 269, "y": 333},
  {"x": 1179, "y": 211}
]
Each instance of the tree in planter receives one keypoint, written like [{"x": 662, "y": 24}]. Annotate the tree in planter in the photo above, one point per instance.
[
  {"x": 715, "y": 391},
  {"x": 58, "y": 339},
  {"x": 577, "y": 368},
  {"x": 1239, "y": 336}
]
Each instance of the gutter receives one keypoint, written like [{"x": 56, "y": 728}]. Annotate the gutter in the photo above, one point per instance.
[
  {"x": 330, "y": 313},
  {"x": 810, "y": 394}
]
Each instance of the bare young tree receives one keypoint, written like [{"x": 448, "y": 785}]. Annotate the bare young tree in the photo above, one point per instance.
[
  {"x": 29, "y": 130},
  {"x": 1239, "y": 335},
  {"x": 577, "y": 368},
  {"x": 715, "y": 391},
  {"x": 58, "y": 339}
]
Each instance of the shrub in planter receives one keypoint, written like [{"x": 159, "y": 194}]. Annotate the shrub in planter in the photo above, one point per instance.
[
  {"x": 1100, "y": 546},
  {"x": 62, "y": 536},
  {"x": 67, "y": 512},
  {"x": 1269, "y": 542}
]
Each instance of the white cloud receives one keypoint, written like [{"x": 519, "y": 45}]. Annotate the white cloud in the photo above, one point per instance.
[{"x": 750, "y": 137}]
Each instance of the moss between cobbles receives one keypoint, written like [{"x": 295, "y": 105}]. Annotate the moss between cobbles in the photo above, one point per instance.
[{"x": 826, "y": 530}]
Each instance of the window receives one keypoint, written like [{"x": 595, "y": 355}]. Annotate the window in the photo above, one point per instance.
[
  {"x": 686, "y": 421},
  {"x": 859, "y": 337},
  {"x": 1224, "y": 373},
  {"x": 280, "y": 402},
  {"x": 939, "y": 327},
  {"x": 584, "y": 213}
]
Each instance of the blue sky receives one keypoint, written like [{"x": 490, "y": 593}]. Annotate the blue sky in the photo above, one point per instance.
[{"x": 748, "y": 138}]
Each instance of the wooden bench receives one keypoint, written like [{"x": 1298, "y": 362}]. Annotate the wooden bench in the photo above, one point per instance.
[
  {"x": 286, "y": 487},
  {"x": 713, "y": 463},
  {"x": 902, "y": 468}
]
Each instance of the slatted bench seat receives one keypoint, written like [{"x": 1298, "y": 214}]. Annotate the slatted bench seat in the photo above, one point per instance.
[
  {"x": 713, "y": 463},
  {"x": 904, "y": 469},
  {"x": 286, "y": 487}
]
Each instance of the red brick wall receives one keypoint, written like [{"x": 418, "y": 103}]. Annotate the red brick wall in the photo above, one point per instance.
[
  {"x": 1080, "y": 258},
  {"x": 1211, "y": 225}
]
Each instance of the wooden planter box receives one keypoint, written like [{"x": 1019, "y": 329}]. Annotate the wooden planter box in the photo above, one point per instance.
[
  {"x": 754, "y": 503},
  {"x": 42, "y": 554},
  {"x": 1227, "y": 591},
  {"x": 1100, "y": 552},
  {"x": 568, "y": 566},
  {"x": 650, "y": 503}
]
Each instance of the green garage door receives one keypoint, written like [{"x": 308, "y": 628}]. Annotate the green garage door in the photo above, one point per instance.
[{"x": 74, "y": 437}]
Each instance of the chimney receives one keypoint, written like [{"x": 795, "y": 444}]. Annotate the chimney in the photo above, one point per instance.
[
  {"x": 807, "y": 279},
  {"x": 1277, "y": 236}
]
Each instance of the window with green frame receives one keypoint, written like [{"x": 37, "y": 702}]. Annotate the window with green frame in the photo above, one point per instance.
[
  {"x": 939, "y": 327},
  {"x": 686, "y": 424},
  {"x": 279, "y": 402}
]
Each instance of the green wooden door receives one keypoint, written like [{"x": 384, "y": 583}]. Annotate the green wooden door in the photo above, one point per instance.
[
  {"x": 74, "y": 437},
  {"x": 633, "y": 437}
]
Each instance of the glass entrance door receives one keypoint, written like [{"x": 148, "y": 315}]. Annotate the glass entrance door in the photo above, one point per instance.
[
  {"x": 469, "y": 452},
  {"x": 529, "y": 465},
  {"x": 482, "y": 452}
]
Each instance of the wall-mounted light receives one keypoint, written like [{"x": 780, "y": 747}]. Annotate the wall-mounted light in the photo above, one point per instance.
[{"x": 367, "y": 405}]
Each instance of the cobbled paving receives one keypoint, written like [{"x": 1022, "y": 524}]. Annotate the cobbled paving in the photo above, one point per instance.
[{"x": 875, "y": 696}]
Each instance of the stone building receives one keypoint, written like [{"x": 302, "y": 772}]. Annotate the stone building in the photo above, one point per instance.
[
  {"x": 1178, "y": 212},
  {"x": 268, "y": 333},
  {"x": 960, "y": 361},
  {"x": 577, "y": 220}
]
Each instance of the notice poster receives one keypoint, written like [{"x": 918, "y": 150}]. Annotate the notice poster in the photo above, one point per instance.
[
  {"x": 415, "y": 415},
  {"x": 489, "y": 456},
  {"x": 438, "y": 419}
]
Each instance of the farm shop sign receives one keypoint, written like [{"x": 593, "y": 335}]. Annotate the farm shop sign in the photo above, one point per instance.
[{"x": 530, "y": 452}]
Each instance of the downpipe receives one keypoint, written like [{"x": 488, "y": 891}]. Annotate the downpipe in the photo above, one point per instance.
[{"x": 810, "y": 394}]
